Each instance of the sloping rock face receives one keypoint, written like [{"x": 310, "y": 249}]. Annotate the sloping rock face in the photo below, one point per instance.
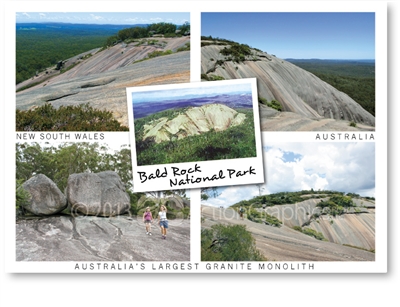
[
  {"x": 101, "y": 194},
  {"x": 46, "y": 198},
  {"x": 194, "y": 122},
  {"x": 283, "y": 243},
  {"x": 91, "y": 238},
  {"x": 101, "y": 79},
  {"x": 352, "y": 229},
  {"x": 356, "y": 227},
  {"x": 297, "y": 90}
]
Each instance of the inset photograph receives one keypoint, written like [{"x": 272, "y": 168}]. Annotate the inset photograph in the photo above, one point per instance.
[
  {"x": 192, "y": 124},
  {"x": 195, "y": 122},
  {"x": 75, "y": 202},
  {"x": 72, "y": 68},
  {"x": 314, "y": 71},
  {"x": 318, "y": 204}
]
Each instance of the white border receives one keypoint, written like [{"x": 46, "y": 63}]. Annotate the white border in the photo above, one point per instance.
[{"x": 195, "y": 7}]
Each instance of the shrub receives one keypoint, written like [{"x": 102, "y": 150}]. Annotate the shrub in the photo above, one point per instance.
[
  {"x": 159, "y": 53},
  {"x": 272, "y": 104},
  {"x": 238, "y": 52},
  {"x": 310, "y": 232},
  {"x": 21, "y": 197},
  {"x": 215, "y": 78},
  {"x": 184, "y": 48},
  {"x": 352, "y": 124},
  {"x": 228, "y": 243},
  {"x": 262, "y": 217},
  {"x": 66, "y": 118}
]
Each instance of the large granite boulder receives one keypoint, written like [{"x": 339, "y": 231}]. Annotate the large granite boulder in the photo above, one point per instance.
[
  {"x": 45, "y": 197},
  {"x": 100, "y": 194}
]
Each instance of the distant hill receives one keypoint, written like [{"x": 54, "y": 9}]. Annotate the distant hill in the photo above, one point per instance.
[
  {"x": 333, "y": 61},
  {"x": 232, "y": 101},
  {"x": 90, "y": 29}
]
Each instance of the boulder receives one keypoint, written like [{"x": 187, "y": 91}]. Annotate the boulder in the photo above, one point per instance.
[
  {"x": 100, "y": 194},
  {"x": 46, "y": 198}
]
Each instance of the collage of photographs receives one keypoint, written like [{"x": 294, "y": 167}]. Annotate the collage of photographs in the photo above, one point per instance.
[{"x": 195, "y": 142}]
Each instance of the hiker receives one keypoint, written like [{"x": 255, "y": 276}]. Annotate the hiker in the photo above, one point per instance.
[
  {"x": 147, "y": 220},
  {"x": 241, "y": 211},
  {"x": 163, "y": 222}
]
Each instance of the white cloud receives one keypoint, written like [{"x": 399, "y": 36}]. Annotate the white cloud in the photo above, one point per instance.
[
  {"x": 346, "y": 167},
  {"x": 230, "y": 195},
  {"x": 96, "y": 17},
  {"x": 343, "y": 167}
]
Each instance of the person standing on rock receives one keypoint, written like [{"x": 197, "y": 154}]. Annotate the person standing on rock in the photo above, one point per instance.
[
  {"x": 241, "y": 211},
  {"x": 163, "y": 222},
  {"x": 148, "y": 219}
]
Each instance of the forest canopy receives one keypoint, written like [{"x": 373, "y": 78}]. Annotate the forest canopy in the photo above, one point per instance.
[{"x": 58, "y": 162}]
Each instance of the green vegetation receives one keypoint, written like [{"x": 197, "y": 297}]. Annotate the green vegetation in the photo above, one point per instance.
[
  {"x": 37, "y": 50},
  {"x": 358, "y": 247},
  {"x": 157, "y": 53},
  {"x": 228, "y": 243},
  {"x": 262, "y": 217},
  {"x": 333, "y": 202},
  {"x": 336, "y": 204},
  {"x": 57, "y": 163},
  {"x": 139, "y": 207},
  {"x": 282, "y": 198},
  {"x": 352, "y": 124},
  {"x": 232, "y": 51},
  {"x": 211, "y": 77},
  {"x": 66, "y": 118},
  {"x": 21, "y": 198},
  {"x": 184, "y": 48},
  {"x": 310, "y": 232},
  {"x": 272, "y": 104},
  {"x": 161, "y": 28},
  {"x": 353, "y": 78},
  {"x": 236, "y": 52},
  {"x": 235, "y": 142}
]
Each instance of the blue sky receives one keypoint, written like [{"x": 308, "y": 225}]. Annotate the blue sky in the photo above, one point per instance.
[
  {"x": 298, "y": 35},
  {"x": 103, "y": 18},
  {"x": 290, "y": 167},
  {"x": 191, "y": 92}
]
